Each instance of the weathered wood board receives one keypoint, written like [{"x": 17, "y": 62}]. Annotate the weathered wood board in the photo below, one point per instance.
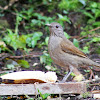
[{"x": 52, "y": 88}]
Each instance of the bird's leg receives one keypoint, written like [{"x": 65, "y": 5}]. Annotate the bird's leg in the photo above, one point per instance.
[{"x": 68, "y": 74}]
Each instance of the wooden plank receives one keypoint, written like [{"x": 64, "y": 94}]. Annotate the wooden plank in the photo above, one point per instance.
[{"x": 52, "y": 88}]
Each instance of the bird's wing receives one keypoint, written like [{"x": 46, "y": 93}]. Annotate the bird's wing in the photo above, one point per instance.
[{"x": 68, "y": 47}]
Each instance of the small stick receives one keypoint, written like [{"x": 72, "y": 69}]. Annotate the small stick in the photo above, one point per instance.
[
  {"x": 94, "y": 29},
  {"x": 93, "y": 80}
]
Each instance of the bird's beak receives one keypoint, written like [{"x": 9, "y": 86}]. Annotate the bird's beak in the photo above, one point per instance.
[{"x": 48, "y": 25}]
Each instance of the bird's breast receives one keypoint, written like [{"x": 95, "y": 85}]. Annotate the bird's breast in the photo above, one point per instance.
[
  {"x": 54, "y": 43},
  {"x": 54, "y": 47}
]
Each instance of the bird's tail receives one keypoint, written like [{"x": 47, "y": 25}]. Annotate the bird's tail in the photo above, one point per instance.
[{"x": 94, "y": 65}]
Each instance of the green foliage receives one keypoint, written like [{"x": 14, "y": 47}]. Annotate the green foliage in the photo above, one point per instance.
[
  {"x": 85, "y": 95},
  {"x": 45, "y": 58},
  {"x": 44, "y": 96},
  {"x": 18, "y": 20},
  {"x": 34, "y": 19},
  {"x": 87, "y": 71},
  {"x": 63, "y": 18},
  {"x": 3, "y": 47},
  {"x": 46, "y": 40},
  {"x": 11, "y": 64},
  {"x": 32, "y": 39},
  {"x": 71, "y": 4},
  {"x": 72, "y": 74},
  {"x": 92, "y": 13},
  {"x": 85, "y": 48},
  {"x": 95, "y": 39},
  {"x": 23, "y": 63},
  {"x": 44, "y": 43},
  {"x": 66, "y": 35},
  {"x": 16, "y": 41},
  {"x": 76, "y": 43}
]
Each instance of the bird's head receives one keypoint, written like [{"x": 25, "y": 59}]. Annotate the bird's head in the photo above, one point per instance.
[{"x": 55, "y": 28}]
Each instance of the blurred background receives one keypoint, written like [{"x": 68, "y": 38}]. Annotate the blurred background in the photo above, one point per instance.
[{"x": 24, "y": 36}]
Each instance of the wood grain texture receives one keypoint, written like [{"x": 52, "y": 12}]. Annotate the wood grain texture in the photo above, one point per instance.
[{"x": 32, "y": 89}]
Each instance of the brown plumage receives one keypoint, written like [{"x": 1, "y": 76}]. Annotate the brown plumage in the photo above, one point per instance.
[{"x": 63, "y": 52}]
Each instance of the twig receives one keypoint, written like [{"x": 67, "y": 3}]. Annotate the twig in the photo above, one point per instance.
[
  {"x": 94, "y": 84},
  {"x": 34, "y": 54},
  {"x": 10, "y": 71},
  {"x": 29, "y": 55},
  {"x": 11, "y": 2},
  {"x": 89, "y": 31},
  {"x": 93, "y": 80},
  {"x": 94, "y": 29}
]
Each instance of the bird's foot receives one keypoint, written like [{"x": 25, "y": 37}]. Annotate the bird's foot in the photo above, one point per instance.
[{"x": 67, "y": 75}]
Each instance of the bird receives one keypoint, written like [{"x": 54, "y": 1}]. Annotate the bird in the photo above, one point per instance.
[{"x": 63, "y": 52}]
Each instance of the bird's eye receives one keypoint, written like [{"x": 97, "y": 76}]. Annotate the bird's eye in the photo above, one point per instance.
[{"x": 57, "y": 26}]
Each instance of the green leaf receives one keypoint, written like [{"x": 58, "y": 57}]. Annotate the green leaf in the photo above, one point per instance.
[
  {"x": 23, "y": 38},
  {"x": 33, "y": 38},
  {"x": 87, "y": 71},
  {"x": 37, "y": 35},
  {"x": 15, "y": 40},
  {"x": 64, "y": 18},
  {"x": 82, "y": 2},
  {"x": 44, "y": 96},
  {"x": 93, "y": 4},
  {"x": 42, "y": 59},
  {"x": 88, "y": 14},
  {"x": 65, "y": 11},
  {"x": 0, "y": 49},
  {"x": 46, "y": 40},
  {"x": 97, "y": 23},
  {"x": 33, "y": 43},
  {"x": 72, "y": 74},
  {"x": 10, "y": 31},
  {"x": 97, "y": 13},
  {"x": 45, "y": 58},
  {"x": 28, "y": 41},
  {"x": 66, "y": 35},
  {"x": 23, "y": 63},
  {"x": 76, "y": 43},
  {"x": 96, "y": 39},
  {"x": 85, "y": 49}
]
